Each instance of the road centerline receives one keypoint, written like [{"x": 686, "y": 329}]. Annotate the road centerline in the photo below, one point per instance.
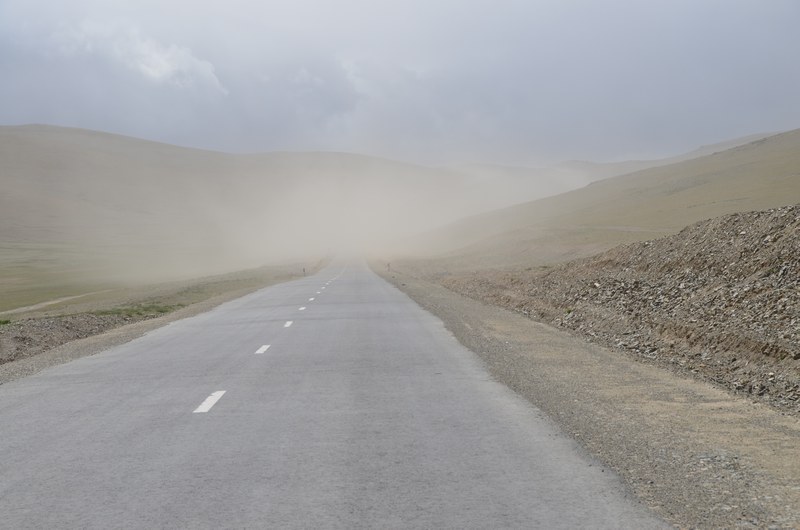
[{"x": 209, "y": 402}]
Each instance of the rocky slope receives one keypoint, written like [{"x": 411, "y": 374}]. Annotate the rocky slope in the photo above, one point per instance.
[{"x": 720, "y": 299}]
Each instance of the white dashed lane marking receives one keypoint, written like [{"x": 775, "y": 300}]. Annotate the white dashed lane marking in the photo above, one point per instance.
[
  {"x": 263, "y": 348},
  {"x": 288, "y": 323},
  {"x": 302, "y": 308},
  {"x": 311, "y": 299},
  {"x": 210, "y": 401}
]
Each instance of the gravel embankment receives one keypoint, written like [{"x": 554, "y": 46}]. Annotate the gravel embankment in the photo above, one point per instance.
[{"x": 719, "y": 301}]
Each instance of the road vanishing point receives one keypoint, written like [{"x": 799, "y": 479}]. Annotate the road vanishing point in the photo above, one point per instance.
[{"x": 332, "y": 401}]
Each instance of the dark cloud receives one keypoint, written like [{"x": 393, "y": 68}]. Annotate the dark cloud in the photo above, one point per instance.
[{"x": 505, "y": 81}]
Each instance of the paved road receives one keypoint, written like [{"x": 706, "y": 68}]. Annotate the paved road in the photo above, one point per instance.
[{"x": 328, "y": 402}]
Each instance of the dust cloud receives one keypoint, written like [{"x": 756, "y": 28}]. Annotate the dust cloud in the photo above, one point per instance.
[
  {"x": 86, "y": 206},
  {"x": 120, "y": 209}
]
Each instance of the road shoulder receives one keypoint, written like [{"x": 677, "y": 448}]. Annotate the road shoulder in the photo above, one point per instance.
[
  {"x": 698, "y": 456},
  {"x": 85, "y": 327}
]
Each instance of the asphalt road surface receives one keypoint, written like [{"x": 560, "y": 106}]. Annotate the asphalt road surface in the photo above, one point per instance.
[{"x": 333, "y": 401}]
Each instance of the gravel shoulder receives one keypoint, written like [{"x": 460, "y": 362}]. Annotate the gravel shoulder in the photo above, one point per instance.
[{"x": 699, "y": 456}]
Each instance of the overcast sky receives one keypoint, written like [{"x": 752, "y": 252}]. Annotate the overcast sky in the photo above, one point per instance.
[{"x": 433, "y": 81}]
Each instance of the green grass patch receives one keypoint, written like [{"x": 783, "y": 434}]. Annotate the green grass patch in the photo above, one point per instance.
[{"x": 3, "y": 322}]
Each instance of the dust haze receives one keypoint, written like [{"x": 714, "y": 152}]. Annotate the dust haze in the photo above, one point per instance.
[
  {"x": 97, "y": 207},
  {"x": 124, "y": 209}
]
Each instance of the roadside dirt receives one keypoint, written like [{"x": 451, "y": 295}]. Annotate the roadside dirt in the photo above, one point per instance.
[
  {"x": 80, "y": 326},
  {"x": 697, "y": 455}
]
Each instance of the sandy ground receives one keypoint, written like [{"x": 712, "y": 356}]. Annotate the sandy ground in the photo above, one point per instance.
[{"x": 699, "y": 456}]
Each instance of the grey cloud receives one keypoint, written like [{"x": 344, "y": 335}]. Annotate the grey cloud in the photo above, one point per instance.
[{"x": 127, "y": 46}]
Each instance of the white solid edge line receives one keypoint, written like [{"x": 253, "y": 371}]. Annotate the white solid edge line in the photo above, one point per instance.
[
  {"x": 210, "y": 401},
  {"x": 263, "y": 348},
  {"x": 288, "y": 323}
]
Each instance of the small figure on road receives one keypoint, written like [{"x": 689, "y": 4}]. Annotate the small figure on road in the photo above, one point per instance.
[
  {"x": 389, "y": 266},
  {"x": 304, "y": 271}
]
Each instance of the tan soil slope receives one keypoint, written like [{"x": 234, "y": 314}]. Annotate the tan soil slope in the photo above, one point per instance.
[
  {"x": 634, "y": 207},
  {"x": 720, "y": 299}
]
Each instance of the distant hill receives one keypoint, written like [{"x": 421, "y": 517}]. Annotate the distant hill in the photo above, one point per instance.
[
  {"x": 504, "y": 185},
  {"x": 641, "y": 205}
]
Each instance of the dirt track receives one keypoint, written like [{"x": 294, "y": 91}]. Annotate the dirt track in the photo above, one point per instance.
[{"x": 701, "y": 457}]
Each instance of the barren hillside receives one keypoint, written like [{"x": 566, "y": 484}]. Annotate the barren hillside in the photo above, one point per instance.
[{"x": 633, "y": 207}]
